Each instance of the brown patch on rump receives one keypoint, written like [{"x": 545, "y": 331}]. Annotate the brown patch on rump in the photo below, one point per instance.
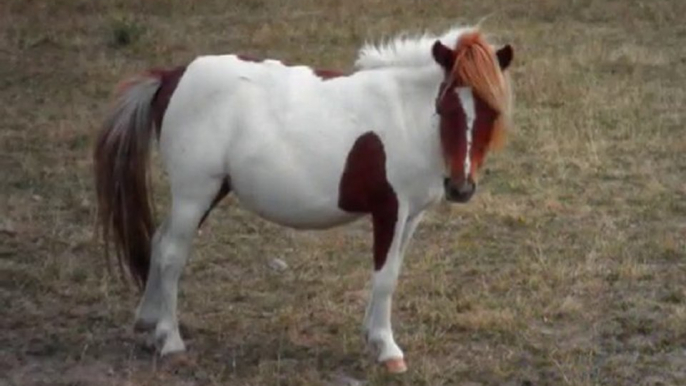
[
  {"x": 364, "y": 188},
  {"x": 170, "y": 79},
  {"x": 328, "y": 74},
  {"x": 121, "y": 161}
]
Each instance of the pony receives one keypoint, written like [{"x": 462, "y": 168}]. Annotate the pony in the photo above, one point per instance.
[{"x": 304, "y": 148}]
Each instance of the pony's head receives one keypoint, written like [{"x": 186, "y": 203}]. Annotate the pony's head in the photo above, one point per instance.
[{"x": 474, "y": 104}]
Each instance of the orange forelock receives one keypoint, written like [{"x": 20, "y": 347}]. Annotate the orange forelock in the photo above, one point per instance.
[{"x": 476, "y": 67}]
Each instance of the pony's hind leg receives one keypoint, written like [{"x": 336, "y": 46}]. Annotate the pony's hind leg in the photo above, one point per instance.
[
  {"x": 191, "y": 199},
  {"x": 148, "y": 311},
  {"x": 149, "y": 308}
]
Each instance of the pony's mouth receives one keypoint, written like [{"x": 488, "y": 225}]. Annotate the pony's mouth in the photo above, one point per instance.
[{"x": 461, "y": 192}]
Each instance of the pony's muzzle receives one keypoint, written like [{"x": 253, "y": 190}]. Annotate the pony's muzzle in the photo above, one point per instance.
[{"x": 459, "y": 192}]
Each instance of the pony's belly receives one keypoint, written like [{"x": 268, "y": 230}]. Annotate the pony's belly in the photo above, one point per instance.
[
  {"x": 298, "y": 201},
  {"x": 294, "y": 211},
  {"x": 295, "y": 183}
]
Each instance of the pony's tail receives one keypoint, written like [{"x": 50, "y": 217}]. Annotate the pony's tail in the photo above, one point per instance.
[{"x": 121, "y": 161}]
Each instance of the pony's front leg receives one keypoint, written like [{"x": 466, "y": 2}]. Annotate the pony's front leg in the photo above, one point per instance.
[{"x": 389, "y": 229}]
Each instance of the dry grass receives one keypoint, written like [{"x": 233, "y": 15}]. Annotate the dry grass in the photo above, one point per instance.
[{"x": 569, "y": 268}]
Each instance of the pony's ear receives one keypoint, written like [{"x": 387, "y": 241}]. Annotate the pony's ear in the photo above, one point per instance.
[
  {"x": 505, "y": 56},
  {"x": 443, "y": 55}
]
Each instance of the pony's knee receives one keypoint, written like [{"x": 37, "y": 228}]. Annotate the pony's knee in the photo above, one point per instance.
[
  {"x": 386, "y": 280},
  {"x": 384, "y": 287}
]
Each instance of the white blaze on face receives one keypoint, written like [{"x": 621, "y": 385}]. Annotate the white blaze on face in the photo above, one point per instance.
[{"x": 467, "y": 100}]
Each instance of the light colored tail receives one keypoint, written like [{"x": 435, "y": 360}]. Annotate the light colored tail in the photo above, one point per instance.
[{"x": 121, "y": 160}]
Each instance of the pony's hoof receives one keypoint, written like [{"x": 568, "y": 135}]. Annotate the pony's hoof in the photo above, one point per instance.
[
  {"x": 178, "y": 363},
  {"x": 178, "y": 359},
  {"x": 395, "y": 365}
]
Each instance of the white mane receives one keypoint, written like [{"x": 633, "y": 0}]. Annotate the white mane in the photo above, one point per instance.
[{"x": 405, "y": 50}]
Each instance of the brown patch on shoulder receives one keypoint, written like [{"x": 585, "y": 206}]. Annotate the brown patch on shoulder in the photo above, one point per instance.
[
  {"x": 363, "y": 183},
  {"x": 170, "y": 79},
  {"x": 328, "y": 74},
  {"x": 364, "y": 188}
]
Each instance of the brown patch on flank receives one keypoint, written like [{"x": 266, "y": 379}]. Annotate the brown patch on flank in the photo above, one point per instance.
[
  {"x": 224, "y": 190},
  {"x": 169, "y": 80},
  {"x": 364, "y": 188}
]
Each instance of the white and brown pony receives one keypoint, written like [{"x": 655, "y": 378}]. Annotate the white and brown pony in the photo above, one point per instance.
[{"x": 305, "y": 148}]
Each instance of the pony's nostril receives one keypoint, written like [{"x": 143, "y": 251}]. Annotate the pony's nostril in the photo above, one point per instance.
[
  {"x": 461, "y": 192},
  {"x": 466, "y": 187}
]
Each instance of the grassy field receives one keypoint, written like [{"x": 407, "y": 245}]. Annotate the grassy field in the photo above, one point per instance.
[{"x": 568, "y": 268}]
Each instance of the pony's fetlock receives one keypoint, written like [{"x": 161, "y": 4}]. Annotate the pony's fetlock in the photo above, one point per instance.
[
  {"x": 144, "y": 325},
  {"x": 168, "y": 340},
  {"x": 146, "y": 318},
  {"x": 383, "y": 346}
]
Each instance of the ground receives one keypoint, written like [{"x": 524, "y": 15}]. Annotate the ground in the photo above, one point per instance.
[{"x": 567, "y": 268}]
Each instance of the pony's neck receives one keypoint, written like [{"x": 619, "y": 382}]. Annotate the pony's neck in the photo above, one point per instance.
[{"x": 418, "y": 89}]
